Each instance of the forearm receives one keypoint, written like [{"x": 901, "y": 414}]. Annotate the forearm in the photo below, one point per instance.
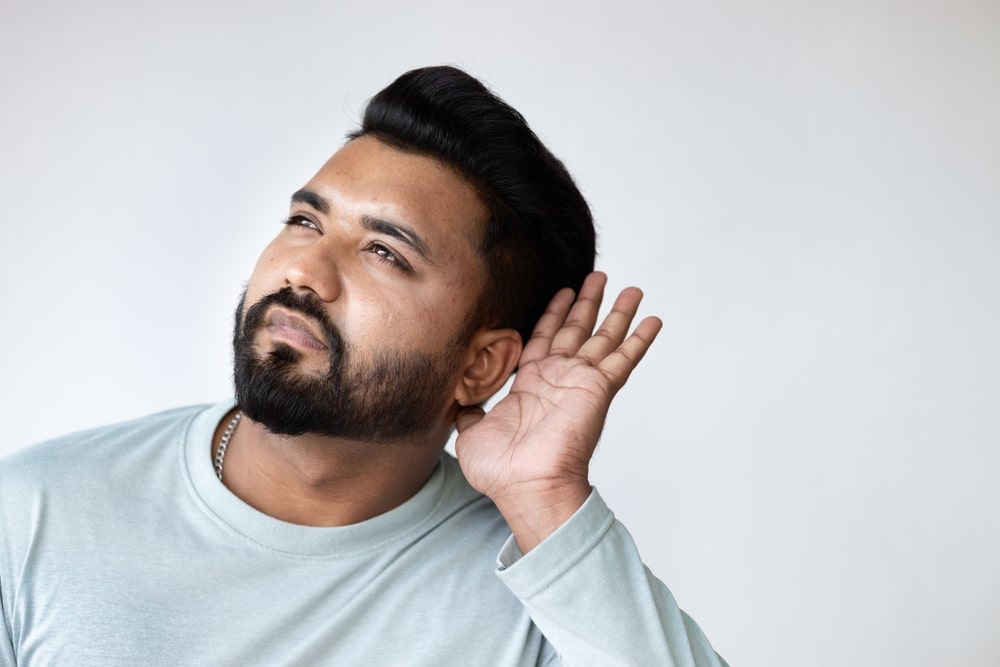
[{"x": 589, "y": 593}]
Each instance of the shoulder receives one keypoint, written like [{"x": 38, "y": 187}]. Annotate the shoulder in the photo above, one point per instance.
[{"x": 94, "y": 449}]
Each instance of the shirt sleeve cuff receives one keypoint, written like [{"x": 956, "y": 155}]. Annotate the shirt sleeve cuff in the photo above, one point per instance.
[{"x": 559, "y": 551}]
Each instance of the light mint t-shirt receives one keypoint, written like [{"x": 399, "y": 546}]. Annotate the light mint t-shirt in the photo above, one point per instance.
[{"x": 118, "y": 546}]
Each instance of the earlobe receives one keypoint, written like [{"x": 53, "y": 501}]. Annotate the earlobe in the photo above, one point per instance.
[{"x": 493, "y": 356}]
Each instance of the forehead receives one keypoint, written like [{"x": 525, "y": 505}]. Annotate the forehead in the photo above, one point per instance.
[{"x": 368, "y": 177}]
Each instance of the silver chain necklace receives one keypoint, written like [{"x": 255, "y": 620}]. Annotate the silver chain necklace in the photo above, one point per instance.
[{"x": 220, "y": 453}]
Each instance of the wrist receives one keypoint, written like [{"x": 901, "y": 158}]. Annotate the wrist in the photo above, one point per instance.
[{"x": 533, "y": 512}]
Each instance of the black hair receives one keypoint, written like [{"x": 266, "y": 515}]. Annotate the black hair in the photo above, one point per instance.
[{"x": 539, "y": 236}]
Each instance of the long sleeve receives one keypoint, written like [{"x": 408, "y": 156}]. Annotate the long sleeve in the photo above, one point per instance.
[
  {"x": 6, "y": 648},
  {"x": 6, "y": 645},
  {"x": 589, "y": 593}
]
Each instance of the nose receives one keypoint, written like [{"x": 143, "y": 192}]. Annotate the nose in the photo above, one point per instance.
[{"x": 315, "y": 267}]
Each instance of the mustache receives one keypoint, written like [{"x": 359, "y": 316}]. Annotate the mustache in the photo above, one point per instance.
[{"x": 305, "y": 303}]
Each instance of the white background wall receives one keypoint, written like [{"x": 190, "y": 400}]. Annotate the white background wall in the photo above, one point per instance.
[{"x": 809, "y": 192}]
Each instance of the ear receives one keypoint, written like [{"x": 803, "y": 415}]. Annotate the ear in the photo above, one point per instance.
[{"x": 492, "y": 356}]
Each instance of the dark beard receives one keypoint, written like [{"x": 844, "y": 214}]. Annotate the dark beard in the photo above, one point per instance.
[{"x": 390, "y": 397}]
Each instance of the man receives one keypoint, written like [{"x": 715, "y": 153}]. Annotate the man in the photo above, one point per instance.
[{"x": 316, "y": 520}]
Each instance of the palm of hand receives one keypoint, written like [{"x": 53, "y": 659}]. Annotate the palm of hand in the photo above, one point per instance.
[
  {"x": 545, "y": 430},
  {"x": 542, "y": 435}
]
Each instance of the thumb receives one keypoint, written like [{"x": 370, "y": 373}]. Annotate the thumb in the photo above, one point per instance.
[{"x": 468, "y": 416}]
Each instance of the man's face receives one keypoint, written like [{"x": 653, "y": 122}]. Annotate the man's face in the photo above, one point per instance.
[{"x": 355, "y": 320}]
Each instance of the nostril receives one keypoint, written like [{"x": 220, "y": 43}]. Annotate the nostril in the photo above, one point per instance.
[{"x": 312, "y": 270}]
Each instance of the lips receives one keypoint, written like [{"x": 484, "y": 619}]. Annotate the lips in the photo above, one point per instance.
[{"x": 295, "y": 329}]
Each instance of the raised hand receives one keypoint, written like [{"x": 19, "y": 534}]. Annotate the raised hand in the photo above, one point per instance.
[{"x": 531, "y": 453}]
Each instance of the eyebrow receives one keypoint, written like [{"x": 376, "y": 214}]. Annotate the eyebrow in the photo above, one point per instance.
[
  {"x": 311, "y": 198},
  {"x": 396, "y": 230},
  {"x": 400, "y": 233}
]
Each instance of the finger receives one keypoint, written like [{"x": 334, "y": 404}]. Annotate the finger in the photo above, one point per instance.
[
  {"x": 540, "y": 343},
  {"x": 582, "y": 316},
  {"x": 614, "y": 328},
  {"x": 618, "y": 365},
  {"x": 468, "y": 416}
]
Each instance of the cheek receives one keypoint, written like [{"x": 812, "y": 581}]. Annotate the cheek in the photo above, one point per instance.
[
  {"x": 405, "y": 324},
  {"x": 264, "y": 275},
  {"x": 268, "y": 259},
  {"x": 435, "y": 324}
]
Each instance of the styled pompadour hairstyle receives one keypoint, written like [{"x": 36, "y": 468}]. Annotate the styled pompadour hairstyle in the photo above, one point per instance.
[{"x": 539, "y": 236}]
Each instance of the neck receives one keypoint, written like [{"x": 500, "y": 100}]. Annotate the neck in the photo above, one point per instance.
[{"x": 318, "y": 481}]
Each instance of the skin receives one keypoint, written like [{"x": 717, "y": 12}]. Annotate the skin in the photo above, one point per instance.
[{"x": 530, "y": 454}]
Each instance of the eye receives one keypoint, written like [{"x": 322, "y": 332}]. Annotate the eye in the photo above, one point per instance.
[
  {"x": 384, "y": 254},
  {"x": 301, "y": 221}
]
